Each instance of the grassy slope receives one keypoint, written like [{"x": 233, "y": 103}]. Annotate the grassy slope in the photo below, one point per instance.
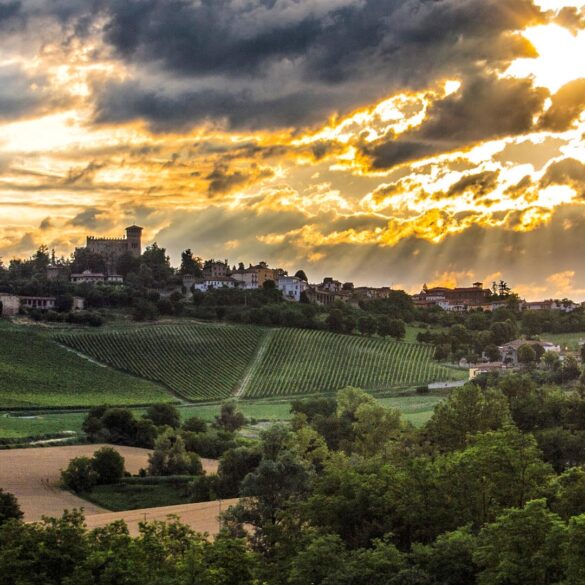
[
  {"x": 197, "y": 361},
  {"x": 34, "y": 372},
  {"x": 303, "y": 362},
  {"x": 569, "y": 340}
]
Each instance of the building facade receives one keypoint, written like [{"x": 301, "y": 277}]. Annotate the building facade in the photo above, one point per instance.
[
  {"x": 111, "y": 249},
  {"x": 292, "y": 287}
]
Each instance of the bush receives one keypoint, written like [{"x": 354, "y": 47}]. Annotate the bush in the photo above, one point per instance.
[
  {"x": 9, "y": 508},
  {"x": 211, "y": 444},
  {"x": 80, "y": 475},
  {"x": 164, "y": 415},
  {"x": 108, "y": 465},
  {"x": 195, "y": 425},
  {"x": 170, "y": 457}
]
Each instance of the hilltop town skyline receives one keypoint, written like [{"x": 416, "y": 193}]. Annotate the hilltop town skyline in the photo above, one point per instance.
[{"x": 439, "y": 141}]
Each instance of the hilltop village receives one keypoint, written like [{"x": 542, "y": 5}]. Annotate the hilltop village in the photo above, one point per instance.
[
  {"x": 481, "y": 329},
  {"x": 122, "y": 261}
]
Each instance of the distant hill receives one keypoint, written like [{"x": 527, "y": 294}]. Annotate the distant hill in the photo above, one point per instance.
[{"x": 214, "y": 361}]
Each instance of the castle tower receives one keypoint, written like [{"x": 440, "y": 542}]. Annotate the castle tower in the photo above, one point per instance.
[{"x": 133, "y": 237}]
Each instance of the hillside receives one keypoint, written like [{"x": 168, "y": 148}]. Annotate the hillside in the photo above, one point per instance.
[
  {"x": 34, "y": 371},
  {"x": 212, "y": 362},
  {"x": 298, "y": 361},
  {"x": 196, "y": 361}
]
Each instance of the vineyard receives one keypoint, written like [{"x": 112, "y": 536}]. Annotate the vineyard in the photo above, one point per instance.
[
  {"x": 212, "y": 362},
  {"x": 196, "y": 361},
  {"x": 35, "y": 372},
  {"x": 302, "y": 362}
]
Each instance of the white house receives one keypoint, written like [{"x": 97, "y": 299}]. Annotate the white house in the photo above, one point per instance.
[
  {"x": 10, "y": 304},
  {"x": 88, "y": 276},
  {"x": 214, "y": 282},
  {"x": 291, "y": 287}
]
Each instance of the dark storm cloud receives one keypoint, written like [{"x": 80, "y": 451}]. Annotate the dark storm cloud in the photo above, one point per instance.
[
  {"x": 91, "y": 218},
  {"x": 132, "y": 100},
  {"x": 8, "y": 10},
  {"x": 480, "y": 184},
  {"x": 567, "y": 105},
  {"x": 20, "y": 95},
  {"x": 568, "y": 171},
  {"x": 222, "y": 181},
  {"x": 263, "y": 63},
  {"x": 487, "y": 107}
]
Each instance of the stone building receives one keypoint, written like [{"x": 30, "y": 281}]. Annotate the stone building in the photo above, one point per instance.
[{"x": 111, "y": 249}]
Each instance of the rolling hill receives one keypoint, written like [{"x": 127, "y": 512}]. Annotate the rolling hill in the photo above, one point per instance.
[{"x": 215, "y": 361}]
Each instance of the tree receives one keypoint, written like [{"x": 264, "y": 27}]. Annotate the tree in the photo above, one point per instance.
[
  {"x": 143, "y": 310},
  {"x": 301, "y": 274},
  {"x": 190, "y": 265},
  {"x": 492, "y": 353},
  {"x": 108, "y": 465},
  {"x": 397, "y": 329},
  {"x": 526, "y": 355},
  {"x": 80, "y": 475},
  {"x": 164, "y": 415},
  {"x": 384, "y": 327},
  {"x": 576, "y": 551},
  {"x": 195, "y": 424},
  {"x": 522, "y": 547},
  {"x": 230, "y": 418},
  {"x": 170, "y": 457},
  {"x": 374, "y": 426},
  {"x": 367, "y": 325},
  {"x": 449, "y": 559},
  {"x": 551, "y": 360},
  {"x": 269, "y": 285},
  {"x": 234, "y": 466},
  {"x": 64, "y": 303},
  {"x": 9, "y": 508},
  {"x": 156, "y": 260},
  {"x": 335, "y": 321},
  {"x": 570, "y": 369},
  {"x": 467, "y": 411}
]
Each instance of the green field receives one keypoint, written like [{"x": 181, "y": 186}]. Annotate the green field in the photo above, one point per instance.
[
  {"x": 212, "y": 362},
  {"x": 196, "y": 361},
  {"x": 415, "y": 409},
  {"x": 297, "y": 361},
  {"x": 128, "y": 496},
  {"x": 36, "y": 372}
]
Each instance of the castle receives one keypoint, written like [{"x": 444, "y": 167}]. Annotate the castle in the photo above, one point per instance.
[{"x": 111, "y": 249}]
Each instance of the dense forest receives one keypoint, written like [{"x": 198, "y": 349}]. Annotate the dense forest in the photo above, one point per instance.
[{"x": 490, "y": 491}]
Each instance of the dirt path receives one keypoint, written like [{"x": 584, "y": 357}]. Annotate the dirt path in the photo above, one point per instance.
[
  {"x": 202, "y": 517},
  {"x": 33, "y": 475},
  {"x": 252, "y": 367}
]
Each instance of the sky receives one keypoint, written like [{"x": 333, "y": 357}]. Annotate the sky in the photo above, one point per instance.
[{"x": 384, "y": 142}]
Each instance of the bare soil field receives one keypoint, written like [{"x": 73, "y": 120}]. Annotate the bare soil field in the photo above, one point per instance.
[
  {"x": 33, "y": 476},
  {"x": 202, "y": 517}
]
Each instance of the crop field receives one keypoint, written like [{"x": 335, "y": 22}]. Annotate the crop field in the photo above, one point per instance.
[
  {"x": 36, "y": 372},
  {"x": 196, "y": 361},
  {"x": 204, "y": 362},
  {"x": 299, "y": 362},
  {"x": 33, "y": 476}
]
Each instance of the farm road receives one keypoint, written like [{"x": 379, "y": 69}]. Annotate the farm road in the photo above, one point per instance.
[{"x": 33, "y": 476}]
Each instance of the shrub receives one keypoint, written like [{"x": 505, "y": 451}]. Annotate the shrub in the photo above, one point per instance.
[
  {"x": 164, "y": 415},
  {"x": 108, "y": 465},
  {"x": 9, "y": 508},
  {"x": 80, "y": 475}
]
